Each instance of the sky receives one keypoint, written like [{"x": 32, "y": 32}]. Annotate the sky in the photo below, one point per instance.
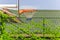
[
  {"x": 40, "y": 4},
  {"x": 8, "y": 1}
]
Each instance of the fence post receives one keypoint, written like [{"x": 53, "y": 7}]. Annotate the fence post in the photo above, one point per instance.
[{"x": 43, "y": 25}]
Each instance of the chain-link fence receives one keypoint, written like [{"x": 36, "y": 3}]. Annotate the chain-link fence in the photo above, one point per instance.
[
  {"x": 41, "y": 28},
  {"x": 45, "y": 27}
]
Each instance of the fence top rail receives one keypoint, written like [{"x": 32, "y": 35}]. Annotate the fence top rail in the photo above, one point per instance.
[
  {"x": 38, "y": 17},
  {"x": 44, "y": 17}
]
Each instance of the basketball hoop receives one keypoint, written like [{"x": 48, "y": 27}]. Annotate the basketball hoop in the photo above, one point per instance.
[{"x": 29, "y": 15}]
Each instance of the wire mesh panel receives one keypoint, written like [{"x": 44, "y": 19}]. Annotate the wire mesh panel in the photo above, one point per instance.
[
  {"x": 38, "y": 27},
  {"x": 34, "y": 24},
  {"x": 52, "y": 26}
]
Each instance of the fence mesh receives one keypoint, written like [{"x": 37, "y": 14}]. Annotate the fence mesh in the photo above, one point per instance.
[{"x": 37, "y": 28}]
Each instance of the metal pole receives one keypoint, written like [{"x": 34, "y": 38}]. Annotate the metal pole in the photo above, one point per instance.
[
  {"x": 18, "y": 7},
  {"x": 18, "y": 2},
  {"x": 43, "y": 25}
]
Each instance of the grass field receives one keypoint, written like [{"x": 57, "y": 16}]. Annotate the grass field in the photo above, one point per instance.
[{"x": 43, "y": 22}]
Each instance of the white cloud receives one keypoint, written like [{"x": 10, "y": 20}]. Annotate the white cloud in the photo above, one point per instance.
[
  {"x": 27, "y": 7},
  {"x": 13, "y": 6},
  {"x": 8, "y": 5}
]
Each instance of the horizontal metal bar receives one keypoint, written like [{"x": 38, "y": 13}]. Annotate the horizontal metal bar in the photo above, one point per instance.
[
  {"x": 37, "y": 35},
  {"x": 40, "y": 17}
]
